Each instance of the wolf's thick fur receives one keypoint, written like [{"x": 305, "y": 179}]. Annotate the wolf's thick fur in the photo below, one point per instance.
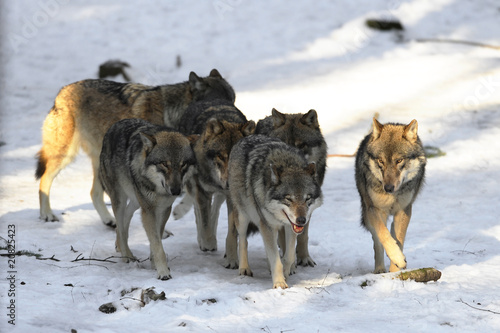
[
  {"x": 143, "y": 165},
  {"x": 83, "y": 111},
  {"x": 390, "y": 169},
  {"x": 220, "y": 125},
  {"x": 300, "y": 130},
  {"x": 272, "y": 185}
]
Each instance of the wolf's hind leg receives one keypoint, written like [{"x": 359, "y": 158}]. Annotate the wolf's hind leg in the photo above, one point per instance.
[
  {"x": 60, "y": 146},
  {"x": 97, "y": 195}
]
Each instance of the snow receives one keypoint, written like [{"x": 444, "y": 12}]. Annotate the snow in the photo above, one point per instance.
[{"x": 293, "y": 56}]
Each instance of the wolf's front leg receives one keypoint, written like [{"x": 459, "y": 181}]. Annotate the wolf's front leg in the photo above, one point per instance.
[
  {"x": 231, "y": 255},
  {"x": 376, "y": 223},
  {"x": 207, "y": 239},
  {"x": 158, "y": 256},
  {"x": 398, "y": 230},
  {"x": 270, "y": 237},
  {"x": 303, "y": 257},
  {"x": 289, "y": 265}
]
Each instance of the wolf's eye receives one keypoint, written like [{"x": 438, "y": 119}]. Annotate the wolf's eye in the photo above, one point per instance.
[
  {"x": 287, "y": 200},
  {"x": 380, "y": 161},
  {"x": 399, "y": 161},
  {"x": 165, "y": 164}
]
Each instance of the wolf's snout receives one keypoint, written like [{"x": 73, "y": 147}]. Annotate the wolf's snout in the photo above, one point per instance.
[
  {"x": 389, "y": 188},
  {"x": 175, "y": 191},
  {"x": 301, "y": 220}
]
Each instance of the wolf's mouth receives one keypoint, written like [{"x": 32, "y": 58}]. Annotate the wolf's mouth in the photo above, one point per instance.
[{"x": 296, "y": 228}]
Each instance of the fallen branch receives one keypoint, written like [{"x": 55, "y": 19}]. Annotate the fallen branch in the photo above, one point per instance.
[
  {"x": 456, "y": 41},
  {"x": 420, "y": 275},
  {"x": 341, "y": 155},
  {"x": 80, "y": 257},
  {"x": 475, "y": 308},
  {"x": 51, "y": 258}
]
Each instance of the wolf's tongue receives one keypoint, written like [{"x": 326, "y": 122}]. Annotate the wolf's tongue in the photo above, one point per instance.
[{"x": 297, "y": 229}]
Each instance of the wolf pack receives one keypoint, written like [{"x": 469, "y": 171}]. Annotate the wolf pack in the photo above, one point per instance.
[{"x": 151, "y": 144}]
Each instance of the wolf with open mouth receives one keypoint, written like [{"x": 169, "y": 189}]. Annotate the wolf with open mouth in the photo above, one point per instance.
[{"x": 271, "y": 185}]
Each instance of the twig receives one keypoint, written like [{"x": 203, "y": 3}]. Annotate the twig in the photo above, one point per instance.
[
  {"x": 456, "y": 41},
  {"x": 341, "y": 155},
  {"x": 475, "y": 308},
  {"x": 51, "y": 258},
  {"x": 80, "y": 257}
]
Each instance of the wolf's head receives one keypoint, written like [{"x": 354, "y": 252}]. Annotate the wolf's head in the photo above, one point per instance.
[
  {"x": 168, "y": 156},
  {"x": 294, "y": 195},
  {"x": 211, "y": 87},
  {"x": 300, "y": 130},
  {"x": 396, "y": 155},
  {"x": 213, "y": 148}
]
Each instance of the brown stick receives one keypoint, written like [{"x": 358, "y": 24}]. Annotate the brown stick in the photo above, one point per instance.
[{"x": 420, "y": 275}]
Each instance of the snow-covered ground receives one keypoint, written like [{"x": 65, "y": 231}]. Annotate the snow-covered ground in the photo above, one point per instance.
[{"x": 294, "y": 56}]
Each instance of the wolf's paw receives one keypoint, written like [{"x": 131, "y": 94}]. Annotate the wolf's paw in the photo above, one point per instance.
[
  {"x": 280, "y": 284},
  {"x": 183, "y": 207},
  {"x": 129, "y": 258},
  {"x": 246, "y": 271},
  {"x": 164, "y": 275},
  {"x": 230, "y": 263},
  {"x": 110, "y": 223},
  {"x": 306, "y": 261},
  {"x": 49, "y": 217},
  {"x": 379, "y": 270},
  {"x": 166, "y": 234},
  {"x": 208, "y": 245}
]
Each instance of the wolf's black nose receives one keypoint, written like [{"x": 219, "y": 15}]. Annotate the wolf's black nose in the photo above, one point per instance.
[
  {"x": 301, "y": 220},
  {"x": 175, "y": 191},
  {"x": 389, "y": 188}
]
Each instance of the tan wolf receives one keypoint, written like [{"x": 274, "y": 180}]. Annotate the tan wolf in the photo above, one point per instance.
[
  {"x": 389, "y": 172},
  {"x": 83, "y": 111},
  {"x": 300, "y": 130},
  {"x": 143, "y": 166}
]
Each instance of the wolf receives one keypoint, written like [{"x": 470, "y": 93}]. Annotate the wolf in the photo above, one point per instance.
[
  {"x": 389, "y": 172},
  {"x": 271, "y": 185},
  {"x": 143, "y": 166},
  {"x": 83, "y": 111},
  {"x": 300, "y": 130},
  {"x": 220, "y": 125}
]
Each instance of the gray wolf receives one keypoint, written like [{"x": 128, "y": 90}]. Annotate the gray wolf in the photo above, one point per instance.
[
  {"x": 273, "y": 186},
  {"x": 220, "y": 126},
  {"x": 83, "y": 111},
  {"x": 143, "y": 166},
  {"x": 300, "y": 130},
  {"x": 389, "y": 172}
]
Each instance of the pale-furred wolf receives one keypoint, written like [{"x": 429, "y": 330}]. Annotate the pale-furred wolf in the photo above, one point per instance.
[
  {"x": 390, "y": 168},
  {"x": 143, "y": 166},
  {"x": 83, "y": 111},
  {"x": 273, "y": 186}
]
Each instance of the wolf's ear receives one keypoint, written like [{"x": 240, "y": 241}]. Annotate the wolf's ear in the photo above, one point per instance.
[
  {"x": 311, "y": 169},
  {"x": 215, "y": 73},
  {"x": 248, "y": 128},
  {"x": 193, "y": 138},
  {"x": 275, "y": 174},
  {"x": 310, "y": 119},
  {"x": 214, "y": 127},
  {"x": 148, "y": 141},
  {"x": 278, "y": 118},
  {"x": 410, "y": 132},
  {"x": 377, "y": 128},
  {"x": 196, "y": 82}
]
